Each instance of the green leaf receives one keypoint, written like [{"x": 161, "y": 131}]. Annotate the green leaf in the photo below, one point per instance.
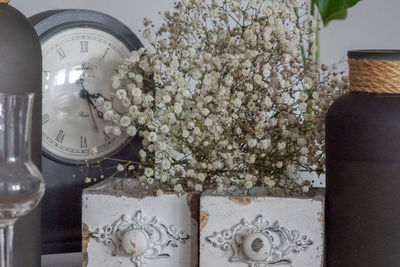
[
  {"x": 334, "y": 9},
  {"x": 340, "y": 16}
]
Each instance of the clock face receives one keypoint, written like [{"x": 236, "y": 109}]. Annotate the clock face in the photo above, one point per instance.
[{"x": 78, "y": 64}]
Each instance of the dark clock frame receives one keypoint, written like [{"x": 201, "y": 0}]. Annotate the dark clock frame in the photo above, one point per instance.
[{"x": 61, "y": 205}]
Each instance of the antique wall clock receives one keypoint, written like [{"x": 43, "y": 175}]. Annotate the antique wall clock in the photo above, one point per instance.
[{"x": 81, "y": 51}]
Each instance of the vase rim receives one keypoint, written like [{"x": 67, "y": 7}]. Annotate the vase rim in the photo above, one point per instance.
[{"x": 375, "y": 54}]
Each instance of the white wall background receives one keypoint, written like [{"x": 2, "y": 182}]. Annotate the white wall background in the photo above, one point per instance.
[{"x": 370, "y": 24}]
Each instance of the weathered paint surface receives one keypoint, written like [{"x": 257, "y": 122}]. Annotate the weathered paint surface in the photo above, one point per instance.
[
  {"x": 85, "y": 241},
  {"x": 305, "y": 215},
  {"x": 104, "y": 206},
  {"x": 193, "y": 201},
  {"x": 242, "y": 200},
  {"x": 203, "y": 220}
]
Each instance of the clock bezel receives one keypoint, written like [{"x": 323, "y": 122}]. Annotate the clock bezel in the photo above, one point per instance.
[{"x": 50, "y": 23}]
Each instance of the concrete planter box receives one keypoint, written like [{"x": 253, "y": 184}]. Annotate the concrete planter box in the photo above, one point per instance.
[
  {"x": 261, "y": 231},
  {"x": 123, "y": 226},
  {"x": 126, "y": 226}
]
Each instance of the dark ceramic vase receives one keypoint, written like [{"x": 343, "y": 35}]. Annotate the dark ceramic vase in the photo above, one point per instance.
[
  {"x": 363, "y": 176},
  {"x": 21, "y": 72}
]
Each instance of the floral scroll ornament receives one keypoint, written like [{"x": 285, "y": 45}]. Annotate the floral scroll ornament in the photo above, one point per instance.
[
  {"x": 140, "y": 239},
  {"x": 260, "y": 244}
]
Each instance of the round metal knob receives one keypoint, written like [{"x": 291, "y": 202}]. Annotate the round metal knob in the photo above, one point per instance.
[
  {"x": 257, "y": 247},
  {"x": 135, "y": 242}
]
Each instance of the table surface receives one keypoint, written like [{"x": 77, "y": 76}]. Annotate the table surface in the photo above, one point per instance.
[{"x": 64, "y": 260}]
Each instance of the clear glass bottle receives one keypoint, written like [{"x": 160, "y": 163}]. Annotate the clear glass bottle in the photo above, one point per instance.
[{"x": 21, "y": 183}]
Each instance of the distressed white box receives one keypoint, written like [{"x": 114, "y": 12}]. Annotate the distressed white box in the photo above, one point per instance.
[
  {"x": 123, "y": 226},
  {"x": 261, "y": 231}
]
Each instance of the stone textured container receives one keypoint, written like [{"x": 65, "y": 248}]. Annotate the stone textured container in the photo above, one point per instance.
[
  {"x": 123, "y": 225},
  {"x": 261, "y": 230}
]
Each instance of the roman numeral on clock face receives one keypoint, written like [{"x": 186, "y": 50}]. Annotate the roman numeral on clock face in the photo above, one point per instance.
[
  {"x": 45, "y": 118},
  {"x": 84, "y": 46},
  {"x": 106, "y": 136},
  {"x": 61, "y": 53},
  {"x": 105, "y": 53},
  {"x": 60, "y": 136},
  {"x": 83, "y": 142}
]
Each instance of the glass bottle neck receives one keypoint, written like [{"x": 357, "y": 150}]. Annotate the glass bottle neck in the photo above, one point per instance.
[{"x": 15, "y": 128}]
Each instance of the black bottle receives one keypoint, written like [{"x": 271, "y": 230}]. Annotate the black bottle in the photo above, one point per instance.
[
  {"x": 363, "y": 167},
  {"x": 21, "y": 72}
]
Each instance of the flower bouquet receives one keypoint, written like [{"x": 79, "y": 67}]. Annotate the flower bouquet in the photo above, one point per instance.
[
  {"x": 230, "y": 101},
  {"x": 228, "y": 94}
]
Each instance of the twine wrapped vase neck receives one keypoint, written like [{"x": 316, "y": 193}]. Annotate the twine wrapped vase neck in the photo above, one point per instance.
[{"x": 375, "y": 71}]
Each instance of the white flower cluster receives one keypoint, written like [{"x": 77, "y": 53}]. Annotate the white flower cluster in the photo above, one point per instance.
[{"x": 226, "y": 96}]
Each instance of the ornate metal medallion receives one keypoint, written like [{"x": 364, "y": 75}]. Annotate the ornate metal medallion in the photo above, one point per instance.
[
  {"x": 260, "y": 244},
  {"x": 140, "y": 239}
]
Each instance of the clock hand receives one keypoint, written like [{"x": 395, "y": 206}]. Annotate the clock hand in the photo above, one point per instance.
[
  {"x": 86, "y": 95},
  {"x": 99, "y": 113},
  {"x": 91, "y": 114},
  {"x": 98, "y": 95},
  {"x": 83, "y": 93}
]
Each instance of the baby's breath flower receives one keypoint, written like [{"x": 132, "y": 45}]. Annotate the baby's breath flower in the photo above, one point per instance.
[
  {"x": 116, "y": 131},
  {"x": 108, "y": 129},
  {"x": 120, "y": 167},
  {"x": 208, "y": 122},
  {"x": 281, "y": 145},
  {"x": 248, "y": 185},
  {"x": 190, "y": 173},
  {"x": 164, "y": 129},
  {"x": 237, "y": 102},
  {"x": 242, "y": 106},
  {"x": 126, "y": 102},
  {"x": 166, "y": 164},
  {"x": 148, "y": 172},
  {"x": 304, "y": 151},
  {"x": 116, "y": 82},
  {"x": 142, "y": 153},
  {"x": 131, "y": 130},
  {"x": 305, "y": 189},
  {"x": 136, "y": 92},
  {"x": 248, "y": 177},
  {"x": 125, "y": 121},
  {"x": 264, "y": 144},
  {"x": 107, "y": 105},
  {"x": 178, "y": 108},
  {"x": 252, "y": 143},
  {"x": 178, "y": 188},
  {"x": 152, "y": 137},
  {"x": 198, "y": 188},
  {"x": 201, "y": 177},
  {"x": 303, "y": 160},
  {"x": 100, "y": 100},
  {"x": 139, "y": 78},
  {"x": 121, "y": 94}
]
